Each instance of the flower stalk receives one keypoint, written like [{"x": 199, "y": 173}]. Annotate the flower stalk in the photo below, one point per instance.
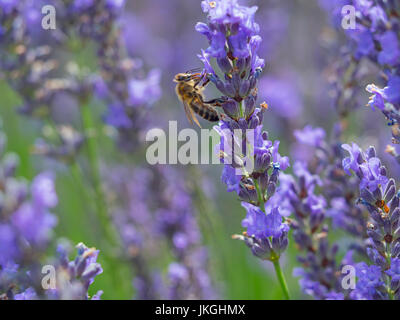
[
  {"x": 101, "y": 203},
  {"x": 281, "y": 279}
]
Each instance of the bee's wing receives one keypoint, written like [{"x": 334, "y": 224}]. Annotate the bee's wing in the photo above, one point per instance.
[{"x": 190, "y": 114}]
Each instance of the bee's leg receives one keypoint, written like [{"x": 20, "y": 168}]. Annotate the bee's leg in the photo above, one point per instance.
[
  {"x": 194, "y": 70},
  {"x": 200, "y": 79},
  {"x": 206, "y": 81},
  {"x": 221, "y": 115},
  {"x": 216, "y": 102}
]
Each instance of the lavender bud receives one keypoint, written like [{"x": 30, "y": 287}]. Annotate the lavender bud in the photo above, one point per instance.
[
  {"x": 248, "y": 195},
  {"x": 271, "y": 189},
  {"x": 224, "y": 64},
  {"x": 367, "y": 196},
  {"x": 395, "y": 250},
  {"x": 390, "y": 192},
  {"x": 373, "y": 234},
  {"x": 395, "y": 217},
  {"x": 231, "y": 108},
  {"x": 229, "y": 89},
  {"x": 396, "y": 234},
  {"x": 394, "y": 203},
  {"x": 263, "y": 179},
  {"x": 315, "y": 220},
  {"x": 221, "y": 87},
  {"x": 261, "y": 249},
  {"x": 249, "y": 106},
  {"x": 377, "y": 193},
  {"x": 236, "y": 82},
  {"x": 371, "y": 152},
  {"x": 244, "y": 88},
  {"x": 253, "y": 83},
  {"x": 241, "y": 64},
  {"x": 254, "y": 123},
  {"x": 387, "y": 226}
]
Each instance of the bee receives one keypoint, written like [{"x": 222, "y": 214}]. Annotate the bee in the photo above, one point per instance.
[{"x": 190, "y": 92}]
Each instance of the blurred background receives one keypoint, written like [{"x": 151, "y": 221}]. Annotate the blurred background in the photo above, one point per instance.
[{"x": 299, "y": 46}]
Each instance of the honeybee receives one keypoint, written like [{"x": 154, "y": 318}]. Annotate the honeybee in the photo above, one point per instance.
[{"x": 190, "y": 92}]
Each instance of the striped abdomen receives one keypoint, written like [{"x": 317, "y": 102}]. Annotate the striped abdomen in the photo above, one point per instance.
[{"x": 203, "y": 110}]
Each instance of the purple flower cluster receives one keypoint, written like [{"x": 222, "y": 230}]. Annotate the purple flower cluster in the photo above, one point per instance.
[
  {"x": 234, "y": 42},
  {"x": 379, "y": 195},
  {"x": 26, "y": 229},
  {"x": 376, "y": 39},
  {"x": 75, "y": 277},
  {"x": 310, "y": 230},
  {"x": 26, "y": 221},
  {"x": 323, "y": 195},
  {"x": 34, "y": 68},
  {"x": 128, "y": 91},
  {"x": 159, "y": 218},
  {"x": 339, "y": 190}
]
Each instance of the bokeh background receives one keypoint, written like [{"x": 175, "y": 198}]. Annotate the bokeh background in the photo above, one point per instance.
[{"x": 299, "y": 46}]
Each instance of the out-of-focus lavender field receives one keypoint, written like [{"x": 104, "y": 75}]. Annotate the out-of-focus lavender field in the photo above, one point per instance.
[{"x": 77, "y": 193}]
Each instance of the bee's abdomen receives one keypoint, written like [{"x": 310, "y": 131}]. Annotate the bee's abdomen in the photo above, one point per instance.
[
  {"x": 211, "y": 116},
  {"x": 205, "y": 111}
]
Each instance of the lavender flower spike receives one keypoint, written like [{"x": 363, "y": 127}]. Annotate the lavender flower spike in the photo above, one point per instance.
[
  {"x": 233, "y": 39},
  {"x": 379, "y": 195}
]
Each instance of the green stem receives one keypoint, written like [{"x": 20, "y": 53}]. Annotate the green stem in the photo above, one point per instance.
[
  {"x": 389, "y": 281},
  {"x": 110, "y": 243},
  {"x": 260, "y": 196},
  {"x": 91, "y": 144},
  {"x": 241, "y": 109},
  {"x": 281, "y": 278}
]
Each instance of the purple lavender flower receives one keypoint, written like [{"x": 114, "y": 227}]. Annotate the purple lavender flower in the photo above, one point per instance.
[
  {"x": 8, "y": 5},
  {"x": 310, "y": 136},
  {"x": 26, "y": 230},
  {"x": 376, "y": 41},
  {"x": 252, "y": 163},
  {"x": 75, "y": 277},
  {"x": 368, "y": 283},
  {"x": 282, "y": 94},
  {"x": 28, "y": 294},
  {"x": 378, "y": 194},
  {"x": 394, "y": 271},
  {"x": 266, "y": 234},
  {"x": 318, "y": 274},
  {"x": 148, "y": 222},
  {"x": 353, "y": 162},
  {"x": 390, "y": 53},
  {"x": 263, "y": 225}
]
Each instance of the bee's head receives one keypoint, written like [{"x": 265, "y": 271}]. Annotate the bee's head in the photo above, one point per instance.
[{"x": 180, "y": 77}]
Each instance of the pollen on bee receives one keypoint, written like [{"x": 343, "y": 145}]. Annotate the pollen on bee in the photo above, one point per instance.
[{"x": 213, "y": 4}]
